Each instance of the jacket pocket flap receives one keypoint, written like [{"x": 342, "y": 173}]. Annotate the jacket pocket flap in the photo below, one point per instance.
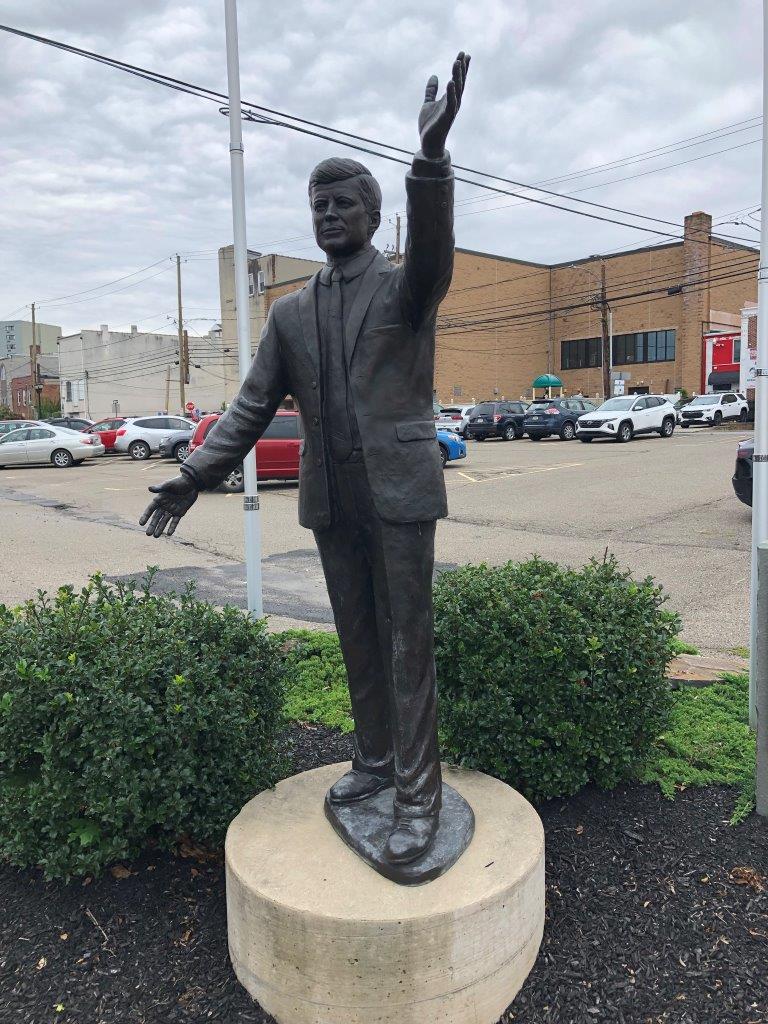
[{"x": 420, "y": 431}]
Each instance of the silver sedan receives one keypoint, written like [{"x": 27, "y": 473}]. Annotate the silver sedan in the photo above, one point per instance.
[{"x": 57, "y": 446}]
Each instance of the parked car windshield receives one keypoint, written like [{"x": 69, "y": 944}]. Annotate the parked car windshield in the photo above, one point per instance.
[
  {"x": 705, "y": 400},
  {"x": 484, "y": 407},
  {"x": 617, "y": 405}
]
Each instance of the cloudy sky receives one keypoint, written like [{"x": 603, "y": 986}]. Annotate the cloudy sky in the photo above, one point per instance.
[{"x": 102, "y": 175}]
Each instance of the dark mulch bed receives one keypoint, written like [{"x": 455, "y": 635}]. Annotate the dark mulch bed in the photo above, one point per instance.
[{"x": 657, "y": 913}]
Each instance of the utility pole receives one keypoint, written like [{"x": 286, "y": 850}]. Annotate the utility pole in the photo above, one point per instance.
[
  {"x": 182, "y": 364},
  {"x": 758, "y": 673},
  {"x": 605, "y": 330},
  {"x": 166, "y": 407},
  {"x": 34, "y": 365},
  {"x": 242, "y": 308},
  {"x": 397, "y": 238}
]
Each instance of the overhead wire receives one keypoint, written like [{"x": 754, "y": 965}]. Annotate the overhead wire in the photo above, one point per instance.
[{"x": 215, "y": 96}]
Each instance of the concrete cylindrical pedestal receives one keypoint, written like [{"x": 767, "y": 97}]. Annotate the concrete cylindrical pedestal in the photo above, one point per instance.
[{"x": 318, "y": 937}]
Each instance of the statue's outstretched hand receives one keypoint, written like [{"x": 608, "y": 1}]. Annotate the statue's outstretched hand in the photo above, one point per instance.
[
  {"x": 174, "y": 499},
  {"x": 437, "y": 116}
]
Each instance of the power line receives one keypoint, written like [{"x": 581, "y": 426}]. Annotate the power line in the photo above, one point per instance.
[{"x": 214, "y": 96}]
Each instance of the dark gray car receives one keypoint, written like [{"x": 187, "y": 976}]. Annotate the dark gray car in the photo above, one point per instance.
[{"x": 175, "y": 445}]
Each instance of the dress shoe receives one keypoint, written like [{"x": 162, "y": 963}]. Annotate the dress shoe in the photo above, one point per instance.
[
  {"x": 357, "y": 785},
  {"x": 411, "y": 839}
]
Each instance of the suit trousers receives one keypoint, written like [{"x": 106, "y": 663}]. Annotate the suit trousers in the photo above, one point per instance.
[{"x": 379, "y": 578}]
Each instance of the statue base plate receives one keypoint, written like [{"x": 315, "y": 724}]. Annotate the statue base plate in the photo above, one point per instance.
[
  {"x": 365, "y": 826},
  {"x": 317, "y": 937}
]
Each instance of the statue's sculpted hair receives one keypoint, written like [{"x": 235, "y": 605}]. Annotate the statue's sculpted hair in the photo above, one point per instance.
[{"x": 340, "y": 169}]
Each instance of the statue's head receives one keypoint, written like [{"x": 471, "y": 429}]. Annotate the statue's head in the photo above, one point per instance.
[{"x": 345, "y": 200}]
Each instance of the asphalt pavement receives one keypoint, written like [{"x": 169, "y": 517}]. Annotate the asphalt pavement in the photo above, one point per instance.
[{"x": 665, "y": 508}]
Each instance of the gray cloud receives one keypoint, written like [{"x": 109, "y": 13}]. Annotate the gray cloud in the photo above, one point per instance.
[{"x": 102, "y": 174}]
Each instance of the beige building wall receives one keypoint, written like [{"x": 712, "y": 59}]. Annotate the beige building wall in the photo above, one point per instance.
[
  {"x": 274, "y": 269},
  {"x": 134, "y": 374}
]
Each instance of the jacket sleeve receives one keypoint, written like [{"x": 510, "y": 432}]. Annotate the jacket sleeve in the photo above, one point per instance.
[
  {"x": 429, "y": 244},
  {"x": 246, "y": 419}
]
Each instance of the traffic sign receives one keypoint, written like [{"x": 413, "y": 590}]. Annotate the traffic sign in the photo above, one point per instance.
[{"x": 190, "y": 407}]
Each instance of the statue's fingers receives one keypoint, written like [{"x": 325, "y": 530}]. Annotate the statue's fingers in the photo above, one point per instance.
[
  {"x": 146, "y": 514},
  {"x": 162, "y": 523},
  {"x": 431, "y": 91},
  {"x": 458, "y": 80},
  {"x": 450, "y": 100},
  {"x": 174, "y": 523},
  {"x": 153, "y": 521}
]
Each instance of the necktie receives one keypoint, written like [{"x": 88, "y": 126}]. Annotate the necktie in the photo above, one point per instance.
[{"x": 339, "y": 433}]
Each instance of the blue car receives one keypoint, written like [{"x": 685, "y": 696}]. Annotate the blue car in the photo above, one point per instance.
[{"x": 451, "y": 446}]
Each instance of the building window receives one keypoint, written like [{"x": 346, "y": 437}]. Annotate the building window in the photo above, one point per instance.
[
  {"x": 458, "y": 391},
  {"x": 581, "y": 354},
  {"x": 68, "y": 385},
  {"x": 644, "y": 347},
  {"x": 737, "y": 350}
]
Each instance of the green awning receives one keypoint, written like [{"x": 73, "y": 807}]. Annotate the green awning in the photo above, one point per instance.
[{"x": 547, "y": 380}]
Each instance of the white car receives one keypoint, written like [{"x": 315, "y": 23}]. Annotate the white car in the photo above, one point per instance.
[
  {"x": 713, "y": 409},
  {"x": 455, "y": 418},
  {"x": 622, "y": 418},
  {"x": 142, "y": 435},
  {"x": 44, "y": 443}
]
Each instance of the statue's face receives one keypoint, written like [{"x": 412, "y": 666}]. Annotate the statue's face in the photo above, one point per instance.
[{"x": 340, "y": 220}]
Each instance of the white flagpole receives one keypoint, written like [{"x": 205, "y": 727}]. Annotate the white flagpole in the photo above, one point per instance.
[{"x": 250, "y": 497}]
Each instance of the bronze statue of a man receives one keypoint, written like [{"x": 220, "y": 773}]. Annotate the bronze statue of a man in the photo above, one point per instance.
[{"x": 355, "y": 348}]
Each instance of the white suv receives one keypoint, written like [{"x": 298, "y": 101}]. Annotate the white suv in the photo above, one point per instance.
[
  {"x": 713, "y": 409},
  {"x": 140, "y": 437},
  {"x": 622, "y": 418},
  {"x": 455, "y": 418}
]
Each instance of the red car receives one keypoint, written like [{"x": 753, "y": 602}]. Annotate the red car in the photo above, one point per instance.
[
  {"x": 277, "y": 451},
  {"x": 107, "y": 431}
]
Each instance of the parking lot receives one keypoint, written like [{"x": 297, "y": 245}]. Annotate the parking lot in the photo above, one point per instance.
[{"x": 663, "y": 507}]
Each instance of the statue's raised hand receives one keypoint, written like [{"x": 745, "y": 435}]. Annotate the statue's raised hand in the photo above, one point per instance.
[
  {"x": 437, "y": 116},
  {"x": 174, "y": 499}
]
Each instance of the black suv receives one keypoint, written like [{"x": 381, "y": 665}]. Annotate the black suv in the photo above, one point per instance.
[
  {"x": 496, "y": 419},
  {"x": 547, "y": 416}
]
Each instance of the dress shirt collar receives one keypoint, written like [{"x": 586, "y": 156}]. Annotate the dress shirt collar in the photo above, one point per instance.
[{"x": 350, "y": 266}]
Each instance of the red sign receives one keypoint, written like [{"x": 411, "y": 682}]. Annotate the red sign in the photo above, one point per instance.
[{"x": 190, "y": 407}]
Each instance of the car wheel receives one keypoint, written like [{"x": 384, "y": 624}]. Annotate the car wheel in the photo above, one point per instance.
[
  {"x": 743, "y": 416},
  {"x": 61, "y": 458},
  {"x": 625, "y": 432},
  {"x": 181, "y": 451},
  {"x": 509, "y": 433},
  {"x": 443, "y": 455},
  {"x": 717, "y": 419},
  {"x": 567, "y": 431},
  {"x": 234, "y": 483},
  {"x": 667, "y": 427},
  {"x": 465, "y": 434},
  {"x": 139, "y": 450},
  {"x": 586, "y": 440}
]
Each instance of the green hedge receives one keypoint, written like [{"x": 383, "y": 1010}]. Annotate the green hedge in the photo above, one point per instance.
[
  {"x": 316, "y": 687},
  {"x": 550, "y": 677},
  {"x": 128, "y": 718}
]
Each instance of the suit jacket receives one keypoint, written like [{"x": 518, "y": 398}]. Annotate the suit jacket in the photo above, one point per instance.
[{"x": 390, "y": 349}]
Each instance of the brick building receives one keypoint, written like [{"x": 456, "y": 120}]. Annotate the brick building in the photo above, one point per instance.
[{"x": 504, "y": 321}]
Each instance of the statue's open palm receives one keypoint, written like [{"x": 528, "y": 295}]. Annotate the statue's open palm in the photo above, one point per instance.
[{"x": 437, "y": 115}]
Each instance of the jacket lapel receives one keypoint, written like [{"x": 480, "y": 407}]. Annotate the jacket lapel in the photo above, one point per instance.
[
  {"x": 308, "y": 319},
  {"x": 372, "y": 279}
]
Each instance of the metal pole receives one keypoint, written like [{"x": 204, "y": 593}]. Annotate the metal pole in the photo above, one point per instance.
[
  {"x": 182, "y": 368},
  {"x": 760, "y": 458},
  {"x": 761, "y": 658},
  {"x": 242, "y": 308}
]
